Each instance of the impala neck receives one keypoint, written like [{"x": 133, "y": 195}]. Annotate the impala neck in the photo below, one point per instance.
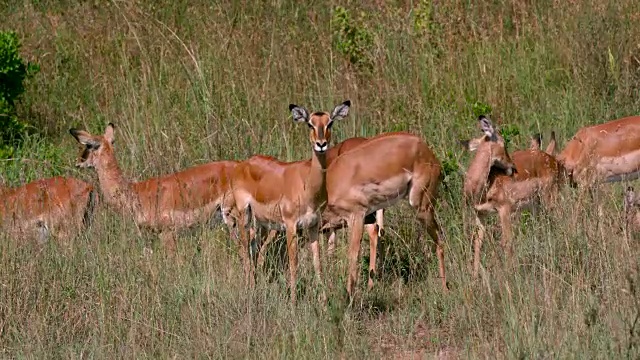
[
  {"x": 477, "y": 174},
  {"x": 115, "y": 187},
  {"x": 317, "y": 182}
]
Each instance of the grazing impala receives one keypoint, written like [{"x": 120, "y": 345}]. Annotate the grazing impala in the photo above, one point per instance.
[
  {"x": 498, "y": 182},
  {"x": 163, "y": 204},
  {"x": 373, "y": 225},
  {"x": 55, "y": 206},
  {"x": 376, "y": 175},
  {"x": 290, "y": 196},
  {"x": 606, "y": 152}
]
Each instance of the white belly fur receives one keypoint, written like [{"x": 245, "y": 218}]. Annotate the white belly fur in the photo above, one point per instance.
[
  {"x": 625, "y": 164},
  {"x": 270, "y": 217},
  {"x": 385, "y": 193}
]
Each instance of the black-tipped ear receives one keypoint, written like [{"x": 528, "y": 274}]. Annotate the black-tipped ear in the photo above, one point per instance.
[
  {"x": 83, "y": 137},
  {"x": 341, "y": 111},
  {"x": 300, "y": 114},
  {"x": 536, "y": 141},
  {"x": 464, "y": 143},
  {"x": 109, "y": 133},
  {"x": 538, "y": 137},
  {"x": 487, "y": 127},
  {"x": 552, "y": 136}
]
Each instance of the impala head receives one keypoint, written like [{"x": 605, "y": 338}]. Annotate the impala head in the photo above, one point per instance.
[
  {"x": 94, "y": 146},
  {"x": 320, "y": 123},
  {"x": 491, "y": 146}
]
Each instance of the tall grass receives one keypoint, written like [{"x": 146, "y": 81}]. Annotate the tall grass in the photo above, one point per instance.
[{"x": 188, "y": 82}]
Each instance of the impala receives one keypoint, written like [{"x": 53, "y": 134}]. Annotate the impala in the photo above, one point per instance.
[
  {"x": 373, "y": 225},
  {"x": 606, "y": 152},
  {"x": 55, "y": 206},
  {"x": 163, "y": 204},
  {"x": 498, "y": 182},
  {"x": 375, "y": 175},
  {"x": 289, "y": 196}
]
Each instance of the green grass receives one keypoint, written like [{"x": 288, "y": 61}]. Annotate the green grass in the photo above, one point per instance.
[{"x": 188, "y": 82}]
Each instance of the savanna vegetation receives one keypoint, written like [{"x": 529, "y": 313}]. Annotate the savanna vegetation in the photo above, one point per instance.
[{"x": 187, "y": 82}]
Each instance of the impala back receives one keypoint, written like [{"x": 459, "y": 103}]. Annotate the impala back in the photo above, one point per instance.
[
  {"x": 186, "y": 197},
  {"x": 53, "y": 202},
  {"x": 606, "y": 151}
]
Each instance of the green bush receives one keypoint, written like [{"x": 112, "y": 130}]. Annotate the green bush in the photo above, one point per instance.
[
  {"x": 13, "y": 72},
  {"x": 351, "y": 38}
]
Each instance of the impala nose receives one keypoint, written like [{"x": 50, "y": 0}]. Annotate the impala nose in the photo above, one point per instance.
[{"x": 321, "y": 146}]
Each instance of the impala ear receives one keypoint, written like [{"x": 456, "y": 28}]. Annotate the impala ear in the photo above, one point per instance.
[
  {"x": 83, "y": 137},
  {"x": 471, "y": 145},
  {"x": 341, "y": 111},
  {"x": 299, "y": 113},
  {"x": 536, "y": 141},
  {"x": 108, "y": 133},
  {"x": 487, "y": 127}
]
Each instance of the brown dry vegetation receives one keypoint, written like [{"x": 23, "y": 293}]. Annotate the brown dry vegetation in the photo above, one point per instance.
[{"x": 192, "y": 81}]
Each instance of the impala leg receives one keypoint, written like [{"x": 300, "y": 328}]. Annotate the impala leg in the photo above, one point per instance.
[
  {"x": 168, "y": 239},
  {"x": 292, "y": 252},
  {"x": 433, "y": 228},
  {"x": 314, "y": 245},
  {"x": 244, "y": 242},
  {"x": 356, "y": 224},
  {"x": 373, "y": 232},
  {"x": 477, "y": 243},
  {"x": 263, "y": 248},
  {"x": 331, "y": 244},
  {"x": 505, "y": 223},
  {"x": 380, "y": 222}
]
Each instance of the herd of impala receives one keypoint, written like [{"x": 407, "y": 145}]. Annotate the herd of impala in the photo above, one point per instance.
[{"x": 347, "y": 185}]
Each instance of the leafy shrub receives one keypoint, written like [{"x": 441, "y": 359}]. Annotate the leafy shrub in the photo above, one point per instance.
[
  {"x": 13, "y": 72},
  {"x": 480, "y": 108},
  {"x": 351, "y": 38}
]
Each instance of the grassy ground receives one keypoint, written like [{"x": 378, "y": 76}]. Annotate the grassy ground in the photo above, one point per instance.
[{"x": 191, "y": 81}]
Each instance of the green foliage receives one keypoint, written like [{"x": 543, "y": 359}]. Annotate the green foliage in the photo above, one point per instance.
[
  {"x": 422, "y": 20},
  {"x": 450, "y": 166},
  {"x": 480, "y": 108},
  {"x": 351, "y": 38},
  {"x": 13, "y": 72},
  {"x": 508, "y": 132}
]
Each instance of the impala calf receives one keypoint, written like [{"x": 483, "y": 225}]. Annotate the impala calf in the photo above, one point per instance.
[
  {"x": 55, "y": 206},
  {"x": 163, "y": 204},
  {"x": 606, "y": 152},
  {"x": 376, "y": 175},
  {"x": 289, "y": 196},
  {"x": 498, "y": 182}
]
